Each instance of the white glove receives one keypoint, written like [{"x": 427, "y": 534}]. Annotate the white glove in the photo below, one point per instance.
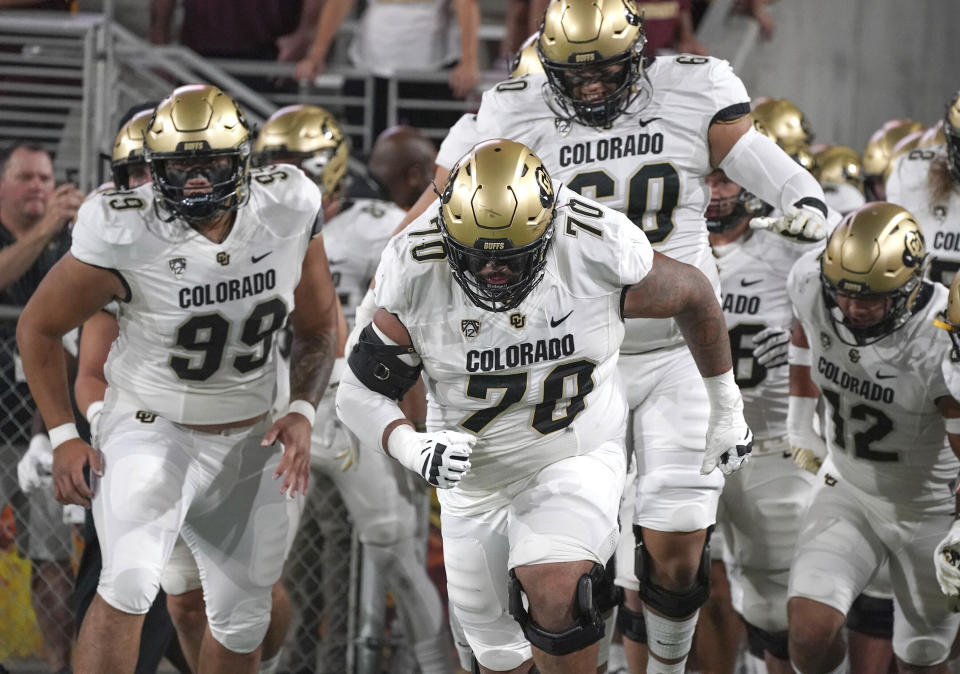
[
  {"x": 441, "y": 457},
  {"x": 946, "y": 559},
  {"x": 806, "y": 445},
  {"x": 805, "y": 224},
  {"x": 729, "y": 439},
  {"x": 770, "y": 347},
  {"x": 35, "y": 469}
]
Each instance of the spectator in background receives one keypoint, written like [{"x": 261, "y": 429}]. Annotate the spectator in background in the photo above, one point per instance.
[
  {"x": 758, "y": 10},
  {"x": 33, "y": 236},
  {"x": 414, "y": 35},
  {"x": 669, "y": 27},
  {"x": 239, "y": 29}
]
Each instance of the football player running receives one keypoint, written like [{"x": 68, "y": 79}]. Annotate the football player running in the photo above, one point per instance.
[
  {"x": 640, "y": 135},
  {"x": 926, "y": 181},
  {"x": 867, "y": 344},
  {"x": 207, "y": 261},
  {"x": 761, "y": 505},
  {"x": 356, "y": 231},
  {"x": 509, "y": 297}
]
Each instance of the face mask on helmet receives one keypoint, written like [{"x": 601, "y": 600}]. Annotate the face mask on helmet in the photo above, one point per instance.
[
  {"x": 871, "y": 273},
  {"x": 951, "y": 130},
  {"x": 496, "y": 220},
  {"x": 730, "y": 204},
  {"x": 199, "y": 188},
  {"x": 593, "y": 61},
  {"x": 197, "y": 147}
]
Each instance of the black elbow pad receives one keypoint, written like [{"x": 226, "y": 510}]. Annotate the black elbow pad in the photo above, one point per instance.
[{"x": 378, "y": 366}]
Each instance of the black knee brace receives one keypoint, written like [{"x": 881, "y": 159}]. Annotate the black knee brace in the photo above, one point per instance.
[
  {"x": 872, "y": 616},
  {"x": 609, "y": 594},
  {"x": 774, "y": 643},
  {"x": 632, "y": 625},
  {"x": 588, "y": 629},
  {"x": 665, "y": 602}
]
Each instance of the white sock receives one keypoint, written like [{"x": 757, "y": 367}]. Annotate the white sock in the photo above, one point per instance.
[
  {"x": 668, "y": 640},
  {"x": 270, "y": 666}
]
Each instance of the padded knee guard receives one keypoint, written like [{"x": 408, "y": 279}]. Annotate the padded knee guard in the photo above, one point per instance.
[
  {"x": 588, "y": 629},
  {"x": 872, "y": 616},
  {"x": 759, "y": 641},
  {"x": 632, "y": 625},
  {"x": 671, "y": 604}
]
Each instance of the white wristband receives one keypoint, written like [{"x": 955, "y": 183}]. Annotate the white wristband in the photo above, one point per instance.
[
  {"x": 305, "y": 408},
  {"x": 62, "y": 434},
  {"x": 404, "y": 446},
  {"x": 799, "y": 355},
  {"x": 953, "y": 426},
  {"x": 93, "y": 409}
]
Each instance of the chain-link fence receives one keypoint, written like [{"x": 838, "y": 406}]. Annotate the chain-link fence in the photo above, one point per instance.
[{"x": 38, "y": 550}]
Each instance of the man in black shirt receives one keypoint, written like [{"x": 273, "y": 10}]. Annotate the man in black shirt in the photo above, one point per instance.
[{"x": 33, "y": 236}]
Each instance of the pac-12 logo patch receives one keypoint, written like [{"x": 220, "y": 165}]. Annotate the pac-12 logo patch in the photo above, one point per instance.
[
  {"x": 178, "y": 265},
  {"x": 470, "y": 327}
]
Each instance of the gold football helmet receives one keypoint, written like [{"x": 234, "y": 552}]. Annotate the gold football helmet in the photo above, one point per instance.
[
  {"x": 527, "y": 60},
  {"x": 128, "y": 149},
  {"x": 933, "y": 136},
  {"x": 951, "y": 130},
  {"x": 308, "y": 137},
  {"x": 876, "y": 252},
  {"x": 838, "y": 164},
  {"x": 496, "y": 219},
  {"x": 878, "y": 152},
  {"x": 782, "y": 122},
  {"x": 583, "y": 42},
  {"x": 198, "y": 135},
  {"x": 949, "y": 318}
]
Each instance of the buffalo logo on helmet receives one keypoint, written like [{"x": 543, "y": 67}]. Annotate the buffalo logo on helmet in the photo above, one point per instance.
[{"x": 914, "y": 250}]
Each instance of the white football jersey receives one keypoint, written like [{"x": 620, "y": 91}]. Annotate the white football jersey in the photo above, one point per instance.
[
  {"x": 197, "y": 326},
  {"x": 354, "y": 239},
  {"x": 883, "y": 430},
  {"x": 753, "y": 286},
  {"x": 536, "y": 384},
  {"x": 907, "y": 187},
  {"x": 650, "y": 164},
  {"x": 406, "y": 35}
]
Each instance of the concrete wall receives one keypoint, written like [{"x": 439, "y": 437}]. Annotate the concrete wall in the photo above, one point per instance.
[{"x": 850, "y": 65}]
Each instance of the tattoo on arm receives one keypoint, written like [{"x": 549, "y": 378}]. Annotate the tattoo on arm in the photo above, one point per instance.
[
  {"x": 674, "y": 289},
  {"x": 311, "y": 362}
]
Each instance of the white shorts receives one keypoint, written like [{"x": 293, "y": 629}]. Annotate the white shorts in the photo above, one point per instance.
[
  {"x": 565, "y": 512},
  {"x": 217, "y": 491},
  {"x": 845, "y": 537},
  {"x": 760, "y": 512},
  {"x": 669, "y": 409}
]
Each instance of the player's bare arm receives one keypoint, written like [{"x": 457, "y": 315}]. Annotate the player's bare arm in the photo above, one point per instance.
[
  {"x": 55, "y": 309},
  {"x": 314, "y": 320},
  {"x": 678, "y": 290}
]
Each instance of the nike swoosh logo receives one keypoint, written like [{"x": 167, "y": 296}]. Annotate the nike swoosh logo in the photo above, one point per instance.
[
  {"x": 256, "y": 258},
  {"x": 885, "y": 376},
  {"x": 744, "y": 282},
  {"x": 644, "y": 122},
  {"x": 554, "y": 322}
]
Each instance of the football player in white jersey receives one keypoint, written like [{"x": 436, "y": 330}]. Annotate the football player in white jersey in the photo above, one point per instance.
[
  {"x": 838, "y": 170},
  {"x": 761, "y": 505},
  {"x": 870, "y": 348},
  {"x": 926, "y": 181},
  {"x": 878, "y": 154},
  {"x": 208, "y": 262},
  {"x": 510, "y": 298},
  {"x": 354, "y": 235},
  {"x": 947, "y": 555},
  {"x": 640, "y": 135}
]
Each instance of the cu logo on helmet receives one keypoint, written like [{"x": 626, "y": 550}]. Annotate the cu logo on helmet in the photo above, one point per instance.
[
  {"x": 913, "y": 248},
  {"x": 546, "y": 187}
]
